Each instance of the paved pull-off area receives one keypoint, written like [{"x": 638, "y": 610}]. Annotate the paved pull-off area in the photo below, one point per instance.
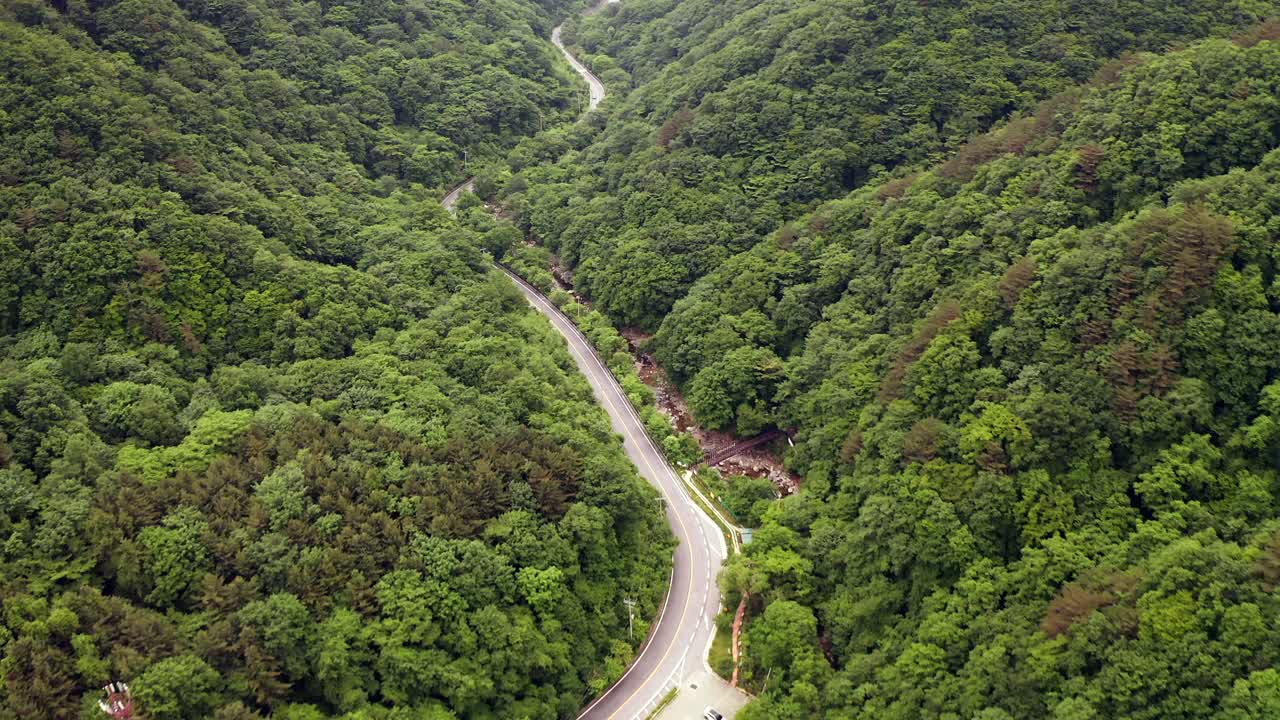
[{"x": 675, "y": 653}]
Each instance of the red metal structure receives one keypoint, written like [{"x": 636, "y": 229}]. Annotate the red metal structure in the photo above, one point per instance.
[
  {"x": 712, "y": 459},
  {"x": 118, "y": 704}
]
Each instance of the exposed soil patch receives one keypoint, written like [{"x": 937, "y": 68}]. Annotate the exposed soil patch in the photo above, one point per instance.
[
  {"x": 563, "y": 277},
  {"x": 763, "y": 461},
  {"x": 759, "y": 463}
]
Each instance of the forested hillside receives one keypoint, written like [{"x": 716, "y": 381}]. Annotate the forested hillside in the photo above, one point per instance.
[
  {"x": 1035, "y": 388},
  {"x": 1030, "y": 358},
  {"x": 274, "y": 440},
  {"x": 750, "y": 112}
]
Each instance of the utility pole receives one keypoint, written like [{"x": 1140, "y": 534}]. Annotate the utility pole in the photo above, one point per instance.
[
  {"x": 464, "y": 158},
  {"x": 631, "y": 616}
]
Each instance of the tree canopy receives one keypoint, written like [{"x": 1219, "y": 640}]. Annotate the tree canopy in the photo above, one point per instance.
[
  {"x": 274, "y": 438},
  {"x": 1009, "y": 274},
  {"x": 748, "y": 114},
  {"x": 276, "y": 441},
  {"x": 1032, "y": 392}
]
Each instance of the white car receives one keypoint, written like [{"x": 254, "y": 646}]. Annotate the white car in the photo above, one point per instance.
[{"x": 712, "y": 714}]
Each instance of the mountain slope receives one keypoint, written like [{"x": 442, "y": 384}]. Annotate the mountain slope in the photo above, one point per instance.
[
  {"x": 274, "y": 440},
  {"x": 1033, "y": 393},
  {"x": 749, "y": 113},
  {"x": 1031, "y": 370}
]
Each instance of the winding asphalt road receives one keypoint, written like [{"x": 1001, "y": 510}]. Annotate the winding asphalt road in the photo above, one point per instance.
[
  {"x": 593, "y": 83},
  {"x": 680, "y": 637},
  {"x": 451, "y": 199},
  {"x": 595, "y": 90}
]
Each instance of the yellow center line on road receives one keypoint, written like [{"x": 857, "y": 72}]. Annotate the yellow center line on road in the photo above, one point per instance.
[{"x": 689, "y": 591}]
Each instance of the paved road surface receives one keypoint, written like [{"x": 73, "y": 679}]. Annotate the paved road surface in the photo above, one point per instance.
[
  {"x": 679, "y": 640},
  {"x": 597, "y": 93},
  {"x": 593, "y": 82},
  {"x": 700, "y": 691},
  {"x": 676, "y": 651},
  {"x": 452, "y": 198}
]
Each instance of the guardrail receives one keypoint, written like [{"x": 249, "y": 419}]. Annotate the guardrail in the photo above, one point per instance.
[
  {"x": 451, "y": 198},
  {"x": 734, "y": 532}
]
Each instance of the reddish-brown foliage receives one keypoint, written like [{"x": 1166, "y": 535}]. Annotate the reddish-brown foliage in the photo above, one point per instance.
[
  {"x": 941, "y": 317},
  {"x": 6, "y": 452},
  {"x": 1018, "y": 134},
  {"x": 1095, "y": 331},
  {"x": 851, "y": 446},
  {"x": 1267, "y": 566},
  {"x": 993, "y": 458},
  {"x": 1193, "y": 248},
  {"x": 1111, "y": 70},
  {"x": 674, "y": 124},
  {"x": 183, "y": 164},
  {"x": 1013, "y": 138},
  {"x": 1016, "y": 279},
  {"x": 1089, "y": 157},
  {"x": 68, "y": 146},
  {"x": 1269, "y": 30},
  {"x": 965, "y": 162},
  {"x": 1095, "y": 590},
  {"x": 1187, "y": 249},
  {"x": 1124, "y": 403},
  {"x": 1135, "y": 372},
  {"x": 1051, "y": 114},
  {"x": 150, "y": 262},
  {"x": 896, "y": 188},
  {"x": 189, "y": 339},
  {"x": 27, "y": 218},
  {"x": 1161, "y": 367},
  {"x": 921, "y": 442},
  {"x": 1124, "y": 290},
  {"x": 154, "y": 326},
  {"x": 1073, "y": 604},
  {"x": 1124, "y": 364}
]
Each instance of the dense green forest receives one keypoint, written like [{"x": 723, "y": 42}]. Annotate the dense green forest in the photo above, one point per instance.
[
  {"x": 751, "y": 112},
  {"x": 1036, "y": 389},
  {"x": 1009, "y": 270},
  {"x": 274, "y": 439}
]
